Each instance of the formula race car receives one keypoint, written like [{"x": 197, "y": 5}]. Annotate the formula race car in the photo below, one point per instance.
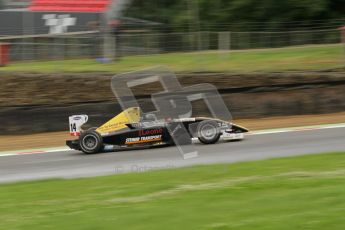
[{"x": 131, "y": 130}]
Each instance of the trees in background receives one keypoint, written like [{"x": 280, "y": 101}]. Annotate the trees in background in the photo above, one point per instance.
[{"x": 240, "y": 15}]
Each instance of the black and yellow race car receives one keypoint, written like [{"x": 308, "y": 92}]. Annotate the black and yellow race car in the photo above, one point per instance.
[{"x": 131, "y": 130}]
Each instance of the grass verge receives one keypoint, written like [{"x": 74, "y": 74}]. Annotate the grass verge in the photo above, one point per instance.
[
  {"x": 303, "y": 58},
  {"x": 290, "y": 193}
]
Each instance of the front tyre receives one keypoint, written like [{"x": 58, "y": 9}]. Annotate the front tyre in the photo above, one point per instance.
[
  {"x": 208, "y": 132},
  {"x": 90, "y": 142}
]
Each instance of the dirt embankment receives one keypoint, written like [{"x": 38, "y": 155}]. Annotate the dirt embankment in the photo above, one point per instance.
[
  {"x": 20, "y": 89},
  {"x": 34, "y": 103}
]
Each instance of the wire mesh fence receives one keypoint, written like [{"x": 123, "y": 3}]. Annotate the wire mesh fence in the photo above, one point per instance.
[{"x": 93, "y": 44}]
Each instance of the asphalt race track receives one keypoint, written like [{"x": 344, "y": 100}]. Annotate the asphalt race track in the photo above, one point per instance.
[{"x": 72, "y": 164}]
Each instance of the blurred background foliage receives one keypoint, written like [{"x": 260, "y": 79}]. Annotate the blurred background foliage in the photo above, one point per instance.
[{"x": 241, "y": 15}]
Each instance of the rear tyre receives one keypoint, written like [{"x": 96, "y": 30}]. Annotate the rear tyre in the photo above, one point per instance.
[
  {"x": 208, "y": 132},
  {"x": 90, "y": 142}
]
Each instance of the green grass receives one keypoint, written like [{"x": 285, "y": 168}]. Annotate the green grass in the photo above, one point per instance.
[
  {"x": 285, "y": 59},
  {"x": 292, "y": 193}
]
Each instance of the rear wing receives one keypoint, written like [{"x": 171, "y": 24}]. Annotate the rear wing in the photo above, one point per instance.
[{"x": 75, "y": 123}]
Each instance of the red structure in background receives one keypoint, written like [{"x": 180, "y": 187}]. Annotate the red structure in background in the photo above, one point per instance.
[
  {"x": 4, "y": 53},
  {"x": 70, "y": 5}
]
